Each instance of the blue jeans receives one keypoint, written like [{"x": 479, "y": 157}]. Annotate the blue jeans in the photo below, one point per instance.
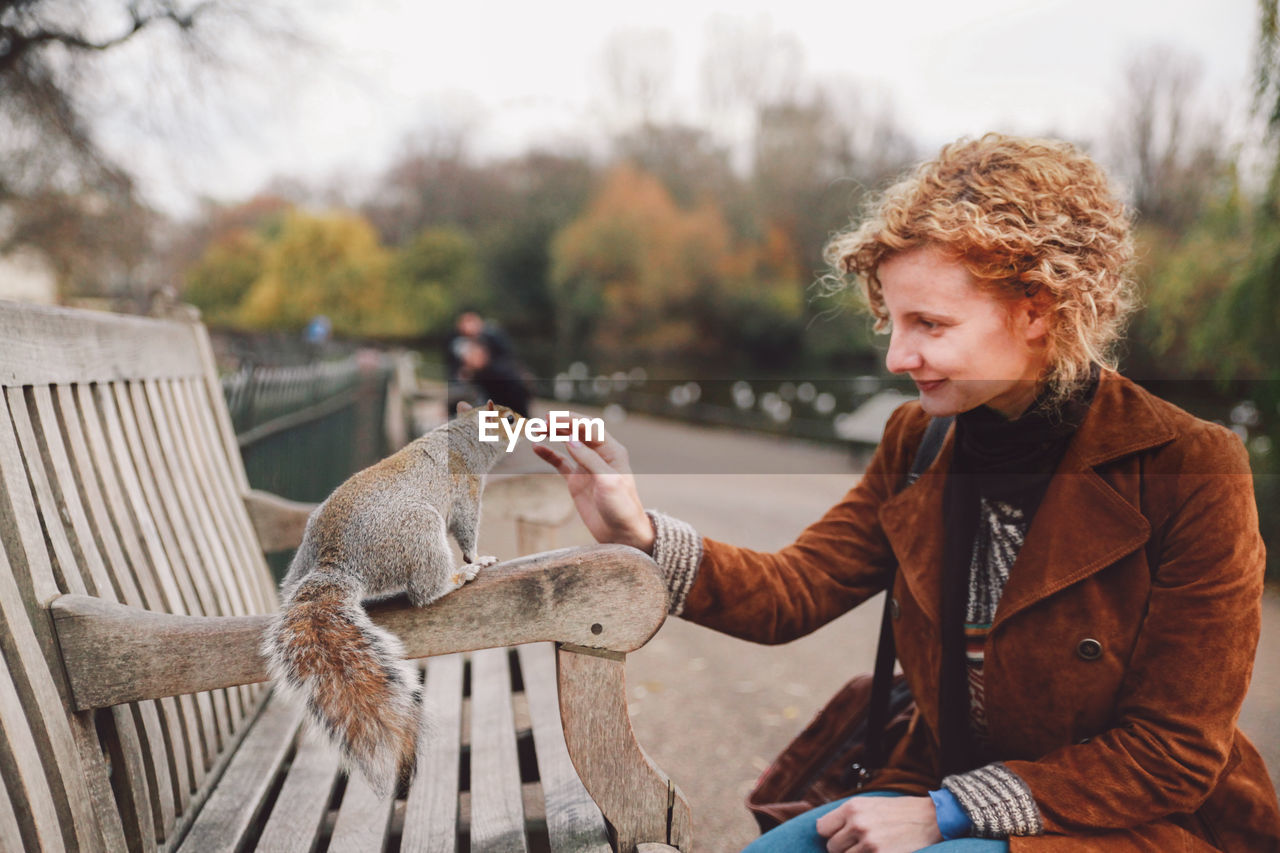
[{"x": 800, "y": 835}]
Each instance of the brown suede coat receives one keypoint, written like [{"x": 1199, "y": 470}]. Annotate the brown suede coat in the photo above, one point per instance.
[{"x": 1147, "y": 542}]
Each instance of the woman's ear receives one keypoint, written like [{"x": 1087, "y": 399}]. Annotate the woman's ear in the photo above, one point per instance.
[{"x": 1032, "y": 318}]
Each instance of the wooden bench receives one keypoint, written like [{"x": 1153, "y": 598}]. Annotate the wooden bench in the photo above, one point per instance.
[{"x": 133, "y": 593}]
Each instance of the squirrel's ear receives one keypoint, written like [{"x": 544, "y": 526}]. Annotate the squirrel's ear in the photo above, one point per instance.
[
  {"x": 464, "y": 406},
  {"x": 491, "y": 407}
]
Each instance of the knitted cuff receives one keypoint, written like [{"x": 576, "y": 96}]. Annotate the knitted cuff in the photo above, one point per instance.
[
  {"x": 997, "y": 801},
  {"x": 677, "y": 549}
]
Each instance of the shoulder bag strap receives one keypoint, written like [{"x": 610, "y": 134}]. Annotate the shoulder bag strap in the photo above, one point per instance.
[{"x": 878, "y": 708}]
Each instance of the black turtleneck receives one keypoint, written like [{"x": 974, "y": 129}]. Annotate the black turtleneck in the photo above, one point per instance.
[{"x": 995, "y": 460}]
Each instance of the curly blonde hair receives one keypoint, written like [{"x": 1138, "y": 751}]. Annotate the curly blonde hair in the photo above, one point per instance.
[{"x": 1026, "y": 217}]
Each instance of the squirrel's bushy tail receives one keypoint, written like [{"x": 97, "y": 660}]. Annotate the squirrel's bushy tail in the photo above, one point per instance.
[{"x": 323, "y": 646}]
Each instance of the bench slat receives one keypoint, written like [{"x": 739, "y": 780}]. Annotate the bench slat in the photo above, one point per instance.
[
  {"x": 299, "y": 810},
  {"x": 257, "y": 588},
  {"x": 21, "y": 766},
  {"x": 215, "y": 420},
  {"x": 171, "y": 567},
  {"x": 193, "y": 495},
  {"x": 229, "y": 813},
  {"x": 212, "y": 597},
  {"x": 217, "y": 486},
  {"x": 213, "y": 565},
  {"x": 67, "y": 529},
  {"x": 431, "y": 809},
  {"x": 136, "y": 574},
  {"x": 123, "y": 747},
  {"x": 79, "y": 497},
  {"x": 363, "y": 818},
  {"x": 9, "y": 827},
  {"x": 497, "y": 807},
  {"x": 212, "y": 405},
  {"x": 42, "y": 345},
  {"x": 165, "y": 797},
  {"x": 68, "y": 745},
  {"x": 574, "y": 822},
  {"x": 65, "y": 566}
]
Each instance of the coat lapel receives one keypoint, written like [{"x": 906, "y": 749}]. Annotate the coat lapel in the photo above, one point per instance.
[
  {"x": 1081, "y": 526},
  {"x": 911, "y": 521}
]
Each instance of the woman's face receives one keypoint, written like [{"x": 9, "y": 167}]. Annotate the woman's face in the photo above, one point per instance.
[{"x": 963, "y": 346}]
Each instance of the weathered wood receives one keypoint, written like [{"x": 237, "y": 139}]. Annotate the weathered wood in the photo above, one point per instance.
[
  {"x": 214, "y": 564},
  {"x": 68, "y": 746},
  {"x": 637, "y": 798},
  {"x": 20, "y": 761},
  {"x": 363, "y": 818},
  {"x": 167, "y": 558},
  {"x": 278, "y": 522},
  {"x": 431, "y": 809},
  {"x": 44, "y": 346},
  {"x": 497, "y": 807},
  {"x": 233, "y": 807},
  {"x": 131, "y": 572},
  {"x": 227, "y": 473},
  {"x": 299, "y": 810},
  {"x": 139, "y": 586},
  {"x": 119, "y": 654},
  {"x": 9, "y": 828},
  {"x": 574, "y": 822}
]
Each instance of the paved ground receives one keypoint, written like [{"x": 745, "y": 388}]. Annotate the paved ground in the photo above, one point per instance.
[{"x": 712, "y": 710}]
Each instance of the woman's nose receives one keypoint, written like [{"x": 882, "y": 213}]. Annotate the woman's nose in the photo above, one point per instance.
[{"x": 901, "y": 357}]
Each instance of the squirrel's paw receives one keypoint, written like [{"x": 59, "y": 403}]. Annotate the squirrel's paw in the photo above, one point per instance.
[{"x": 479, "y": 563}]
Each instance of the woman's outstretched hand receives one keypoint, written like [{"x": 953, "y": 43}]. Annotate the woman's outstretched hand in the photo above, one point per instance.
[
  {"x": 599, "y": 477},
  {"x": 883, "y": 824}
]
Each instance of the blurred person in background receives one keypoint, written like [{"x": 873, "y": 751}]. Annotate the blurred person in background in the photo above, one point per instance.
[{"x": 482, "y": 365}]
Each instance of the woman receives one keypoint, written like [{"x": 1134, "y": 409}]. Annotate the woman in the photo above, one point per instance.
[{"x": 1079, "y": 572}]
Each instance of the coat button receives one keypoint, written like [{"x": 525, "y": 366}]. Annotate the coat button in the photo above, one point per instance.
[
  {"x": 1089, "y": 649},
  {"x": 895, "y": 610}
]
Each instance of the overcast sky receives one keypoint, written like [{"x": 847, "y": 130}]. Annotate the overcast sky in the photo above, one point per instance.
[{"x": 521, "y": 74}]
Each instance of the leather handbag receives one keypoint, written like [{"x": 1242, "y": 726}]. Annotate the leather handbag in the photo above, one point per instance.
[{"x": 854, "y": 733}]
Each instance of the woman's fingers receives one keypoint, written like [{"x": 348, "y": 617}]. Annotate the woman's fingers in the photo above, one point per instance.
[
  {"x": 590, "y": 459},
  {"x": 609, "y": 448},
  {"x": 555, "y": 460}
]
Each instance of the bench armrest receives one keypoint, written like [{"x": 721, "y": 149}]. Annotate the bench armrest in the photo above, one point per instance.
[
  {"x": 278, "y": 522},
  {"x": 604, "y": 597}
]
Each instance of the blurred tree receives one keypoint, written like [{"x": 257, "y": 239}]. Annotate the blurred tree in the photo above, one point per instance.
[
  {"x": 545, "y": 191},
  {"x": 625, "y": 272},
  {"x": 60, "y": 191},
  {"x": 434, "y": 182},
  {"x": 218, "y": 282},
  {"x": 748, "y": 66},
  {"x": 687, "y": 159},
  {"x": 330, "y": 264},
  {"x": 1164, "y": 141},
  {"x": 637, "y": 72},
  {"x": 435, "y": 276},
  {"x": 216, "y": 223}
]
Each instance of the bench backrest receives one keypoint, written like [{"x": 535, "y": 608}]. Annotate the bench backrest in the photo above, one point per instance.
[{"x": 119, "y": 478}]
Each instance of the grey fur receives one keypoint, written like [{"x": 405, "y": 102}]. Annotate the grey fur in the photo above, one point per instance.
[{"x": 386, "y": 529}]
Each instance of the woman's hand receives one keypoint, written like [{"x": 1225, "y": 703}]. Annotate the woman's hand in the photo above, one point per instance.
[
  {"x": 882, "y": 824},
  {"x": 603, "y": 490}
]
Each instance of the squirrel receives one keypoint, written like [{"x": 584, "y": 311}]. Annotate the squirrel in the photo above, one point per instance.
[{"x": 382, "y": 530}]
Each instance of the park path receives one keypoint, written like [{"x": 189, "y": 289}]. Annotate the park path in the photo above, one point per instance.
[{"x": 712, "y": 710}]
